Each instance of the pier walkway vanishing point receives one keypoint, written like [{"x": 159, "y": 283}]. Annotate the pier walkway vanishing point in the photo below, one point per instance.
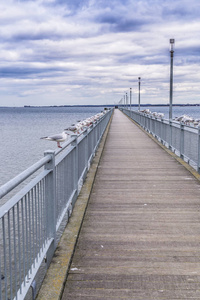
[{"x": 140, "y": 237}]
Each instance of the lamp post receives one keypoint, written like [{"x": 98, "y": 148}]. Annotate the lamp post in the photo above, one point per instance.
[
  {"x": 126, "y": 100},
  {"x": 139, "y": 93},
  {"x": 130, "y": 97},
  {"x": 172, "y": 41}
]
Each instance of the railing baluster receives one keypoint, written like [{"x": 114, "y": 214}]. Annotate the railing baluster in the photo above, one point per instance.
[
  {"x": 15, "y": 246},
  {"x": 4, "y": 257},
  {"x": 75, "y": 160},
  {"x": 33, "y": 225},
  {"x": 86, "y": 149},
  {"x": 19, "y": 247},
  {"x": 36, "y": 222},
  {"x": 29, "y": 237},
  {"x": 23, "y": 240},
  {"x": 182, "y": 141},
  {"x": 9, "y": 251},
  {"x": 26, "y": 222},
  {"x": 50, "y": 201},
  {"x": 39, "y": 216}
]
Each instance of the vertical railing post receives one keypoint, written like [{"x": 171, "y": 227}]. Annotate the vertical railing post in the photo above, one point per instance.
[
  {"x": 170, "y": 134},
  {"x": 182, "y": 141},
  {"x": 198, "y": 162},
  {"x": 50, "y": 200},
  {"x": 86, "y": 148},
  {"x": 75, "y": 145},
  {"x": 95, "y": 134},
  {"x": 162, "y": 134},
  {"x": 92, "y": 138},
  {"x": 150, "y": 124},
  {"x": 98, "y": 130},
  {"x": 101, "y": 122},
  {"x": 156, "y": 128}
]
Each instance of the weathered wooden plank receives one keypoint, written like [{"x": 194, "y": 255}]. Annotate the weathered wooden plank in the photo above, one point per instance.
[{"x": 140, "y": 237}]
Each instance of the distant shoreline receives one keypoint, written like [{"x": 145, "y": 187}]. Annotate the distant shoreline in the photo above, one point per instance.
[
  {"x": 112, "y": 105},
  {"x": 100, "y": 105}
]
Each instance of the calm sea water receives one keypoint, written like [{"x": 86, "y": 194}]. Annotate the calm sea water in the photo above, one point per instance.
[{"x": 21, "y": 129}]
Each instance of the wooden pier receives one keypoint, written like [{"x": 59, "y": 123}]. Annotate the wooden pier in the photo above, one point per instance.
[{"x": 140, "y": 237}]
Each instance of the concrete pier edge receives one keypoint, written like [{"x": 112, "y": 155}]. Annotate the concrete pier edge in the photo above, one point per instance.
[
  {"x": 180, "y": 160},
  {"x": 55, "y": 278}
]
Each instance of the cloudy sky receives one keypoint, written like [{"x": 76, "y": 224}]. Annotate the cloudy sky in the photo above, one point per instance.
[{"x": 57, "y": 52}]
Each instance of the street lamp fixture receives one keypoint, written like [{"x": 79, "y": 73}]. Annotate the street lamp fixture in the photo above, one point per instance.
[
  {"x": 139, "y": 78},
  {"x": 172, "y": 42}
]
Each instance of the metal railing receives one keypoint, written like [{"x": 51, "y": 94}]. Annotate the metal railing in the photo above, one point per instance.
[
  {"x": 182, "y": 139},
  {"x": 30, "y": 219}
]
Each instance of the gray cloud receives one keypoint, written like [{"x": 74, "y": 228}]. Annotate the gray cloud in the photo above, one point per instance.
[
  {"x": 30, "y": 72},
  {"x": 119, "y": 23},
  {"x": 101, "y": 47}
]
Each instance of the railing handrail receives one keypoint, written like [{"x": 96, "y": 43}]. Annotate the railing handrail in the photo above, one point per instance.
[{"x": 13, "y": 183}]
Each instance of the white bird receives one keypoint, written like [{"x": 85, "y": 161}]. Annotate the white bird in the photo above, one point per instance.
[
  {"x": 60, "y": 137},
  {"x": 160, "y": 115},
  {"x": 146, "y": 111}
]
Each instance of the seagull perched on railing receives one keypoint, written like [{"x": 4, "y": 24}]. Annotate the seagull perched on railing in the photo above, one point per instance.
[
  {"x": 60, "y": 137},
  {"x": 76, "y": 128}
]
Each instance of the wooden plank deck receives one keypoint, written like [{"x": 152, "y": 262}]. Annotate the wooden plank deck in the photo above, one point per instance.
[{"x": 140, "y": 238}]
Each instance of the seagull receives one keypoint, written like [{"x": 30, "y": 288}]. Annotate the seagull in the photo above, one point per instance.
[
  {"x": 76, "y": 128},
  {"x": 60, "y": 137}
]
